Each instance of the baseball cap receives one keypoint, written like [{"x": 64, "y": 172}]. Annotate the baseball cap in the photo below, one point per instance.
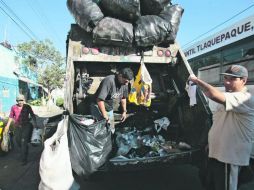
[
  {"x": 236, "y": 71},
  {"x": 20, "y": 97},
  {"x": 127, "y": 73}
]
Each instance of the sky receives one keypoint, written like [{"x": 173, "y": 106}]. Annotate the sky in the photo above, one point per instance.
[{"x": 50, "y": 19}]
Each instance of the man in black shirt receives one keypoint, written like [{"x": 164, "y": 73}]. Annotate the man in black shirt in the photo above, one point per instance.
[{"x": 113, "y": 89}]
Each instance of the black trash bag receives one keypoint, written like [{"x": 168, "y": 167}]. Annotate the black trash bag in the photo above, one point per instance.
[
  {"x": 134, "y": 121},
  {"x": 114, "y": 32},
  {"x": 97, "y": 1},
  {"x": 126, "y": 10},
  {"x": 89, "y": 145},
  {"x": 151, "y": 30},
  {"x": 140, "y": 152},
  {"x": 86, "y": 13},
  {"x": 173, "y": 15},
  {"x": 153, "y": 7}
]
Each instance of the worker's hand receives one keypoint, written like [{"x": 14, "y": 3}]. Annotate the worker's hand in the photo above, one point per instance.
[
  {"x": 123, "y": 116},
  {"x": 193, "y": 78},
  {"x": 107, "y": 119}
]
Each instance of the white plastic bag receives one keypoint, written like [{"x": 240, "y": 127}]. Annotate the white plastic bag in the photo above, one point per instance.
[
  {"x": 36, "y": 136},
  {"x": 191, "y": 89},
  {"x": 161, "y": 123},
  {"x": 55, "y": 166}
]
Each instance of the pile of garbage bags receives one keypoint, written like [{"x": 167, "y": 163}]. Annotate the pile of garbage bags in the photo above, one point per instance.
[{"x": 128, "y": 23}]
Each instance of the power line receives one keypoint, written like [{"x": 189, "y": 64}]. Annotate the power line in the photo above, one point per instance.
[
  {"x": 48, "y": 23},
  {"x": 22, "y": 23},
  {"x": 218, "y": 25},
  {"x": 36, "y": 12},
  {"x": 16, "y": 23}
]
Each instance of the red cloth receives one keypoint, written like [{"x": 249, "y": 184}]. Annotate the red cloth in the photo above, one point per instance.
[{"x": 21, "y": 116}]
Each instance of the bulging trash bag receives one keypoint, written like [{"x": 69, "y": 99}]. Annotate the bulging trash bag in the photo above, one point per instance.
[
  {"x": 86, "y": 13},
  {"x": 89, "y": 145},
  {"x": 153, "y": 7},
  {"x": 173, "y": 15},
  {"x": 55, "y": 166},
  {"x": 36, "y": 136},
  {"x": 6, "y": 142},
  {"x": 114, "y": 32},
  {"x": 151, "y": 30},
  {"x": 126, "y": 10}
]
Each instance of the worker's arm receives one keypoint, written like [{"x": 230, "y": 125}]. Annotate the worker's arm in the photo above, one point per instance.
[
  {"x": 123, "y": 104},
  {"x": 102, "y": 108},
  {"x": 6, "y": 128},
  {"x": 210, "y": 91}
]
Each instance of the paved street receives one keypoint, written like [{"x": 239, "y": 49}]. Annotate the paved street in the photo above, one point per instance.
[{"x": 14, "y": 176}]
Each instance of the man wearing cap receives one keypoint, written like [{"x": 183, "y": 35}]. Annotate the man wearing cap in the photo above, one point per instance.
[
  {"x": 112, "y": 89},
  {"x": 20, "y": 113},
  {"x": 231, "y": 135}
]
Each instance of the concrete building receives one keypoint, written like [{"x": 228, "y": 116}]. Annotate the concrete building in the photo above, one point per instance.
[
  {"x": 8, "y": 80},
  {"x": 15, "y": 78}
]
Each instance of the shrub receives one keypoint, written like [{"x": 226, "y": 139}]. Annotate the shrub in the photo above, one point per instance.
[
  {"x": 35, "y": 102},
  {"x": 60, "y": 102}
]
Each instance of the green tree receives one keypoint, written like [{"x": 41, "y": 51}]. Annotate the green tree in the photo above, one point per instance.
[
  {"x": 52, "y": 76},
  {"x": 48, "y": 62}
]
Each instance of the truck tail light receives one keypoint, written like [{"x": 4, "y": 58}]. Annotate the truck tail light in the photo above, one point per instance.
[
  {"x": 85, "y": 50},
  {"x": 167, "y": 53},
  {"x": 95, "y": 51},
  {"x": 160, "y": 53}
]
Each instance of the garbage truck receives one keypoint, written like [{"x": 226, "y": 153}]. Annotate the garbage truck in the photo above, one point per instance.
[
  {"x": 137, "y": 143},
  {"x": 171, "y": 129}
]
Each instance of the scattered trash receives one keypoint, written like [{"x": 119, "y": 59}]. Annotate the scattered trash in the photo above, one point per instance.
[
  {"x": 162, "y": 123},
  {"x": 183, "y": 145},
  {"x": 87, "y": 121}
]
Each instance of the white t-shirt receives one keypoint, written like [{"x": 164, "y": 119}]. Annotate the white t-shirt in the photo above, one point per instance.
[
  {"x": 252, "y": 152},
  {"x": 231, "y": 135}
]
